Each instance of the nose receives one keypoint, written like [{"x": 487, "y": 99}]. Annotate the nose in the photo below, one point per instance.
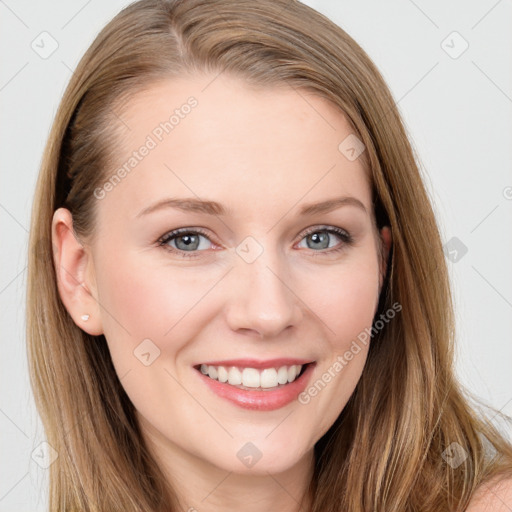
[{"x": 262, "y": 299}]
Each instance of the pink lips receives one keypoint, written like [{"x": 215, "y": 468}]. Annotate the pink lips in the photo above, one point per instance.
[{"x": 260, "y": 400}]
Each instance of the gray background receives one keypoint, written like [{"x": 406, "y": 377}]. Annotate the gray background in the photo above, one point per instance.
[{"x": 457, "y": 107}]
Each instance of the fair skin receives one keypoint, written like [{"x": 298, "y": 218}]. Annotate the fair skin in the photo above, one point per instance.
[
  {"x": 263, "y": 154},
  {"x": 493, "y": 496}
]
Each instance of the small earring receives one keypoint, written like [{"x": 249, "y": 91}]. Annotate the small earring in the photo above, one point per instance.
[{"x": 85, "y": 318}]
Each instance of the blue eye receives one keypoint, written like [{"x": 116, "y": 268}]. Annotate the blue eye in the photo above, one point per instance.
[
  {"x": 320, "y": 239},
  {"x": 187, "y": 242}
]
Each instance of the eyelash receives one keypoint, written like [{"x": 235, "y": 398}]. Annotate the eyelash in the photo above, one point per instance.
[{"x": 347, "y": 240}]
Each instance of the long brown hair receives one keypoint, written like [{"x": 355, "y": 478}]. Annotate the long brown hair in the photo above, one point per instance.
[{"x": 385, "y": 450}]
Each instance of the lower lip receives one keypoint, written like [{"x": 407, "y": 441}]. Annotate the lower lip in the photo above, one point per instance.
[{"x": 260, "y": 400}]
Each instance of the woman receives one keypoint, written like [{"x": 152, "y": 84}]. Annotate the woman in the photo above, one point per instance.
[{"x": 239, "y": 297}]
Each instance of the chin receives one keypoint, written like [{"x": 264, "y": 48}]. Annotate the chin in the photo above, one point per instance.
[{"x": 261, "y": 456}]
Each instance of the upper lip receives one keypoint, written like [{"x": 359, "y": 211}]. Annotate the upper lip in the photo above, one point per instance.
[{"x": 258, "y": 364}]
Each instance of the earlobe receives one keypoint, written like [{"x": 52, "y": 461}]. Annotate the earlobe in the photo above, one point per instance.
[{"x": 73, "y": 269}]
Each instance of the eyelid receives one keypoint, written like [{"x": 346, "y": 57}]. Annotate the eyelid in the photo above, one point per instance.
[
  {"x": 174, "y": 233},
  {"x": 343, "y": 234},
  {"x": 347, "y": 239},
  {"x": 324, "y": 227}
]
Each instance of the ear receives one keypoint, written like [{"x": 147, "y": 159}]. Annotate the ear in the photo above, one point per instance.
[
  {"x": 386, "y": 241},
  {"x": 75, "y": 274}
]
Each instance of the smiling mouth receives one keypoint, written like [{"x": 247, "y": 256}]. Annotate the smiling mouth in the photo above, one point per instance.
[{"x": 252, "y": 379}]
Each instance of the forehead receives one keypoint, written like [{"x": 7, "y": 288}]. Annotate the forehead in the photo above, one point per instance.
[{"x": 217, "y": 137}]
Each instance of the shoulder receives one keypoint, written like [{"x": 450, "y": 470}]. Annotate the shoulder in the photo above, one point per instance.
[{"x": 492, "y": 496}]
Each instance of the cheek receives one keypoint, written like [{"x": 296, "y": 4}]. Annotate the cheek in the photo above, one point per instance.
[
  {"x": 140, "y": 301},
  {"x": 354, "y": 308},
  {"x": 161, "y": 304},
  {"x": 346, "y": 308},
  {"x": 345, "y": 299}
]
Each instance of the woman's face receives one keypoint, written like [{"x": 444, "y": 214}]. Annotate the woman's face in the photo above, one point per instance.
[{"x": 257, "y": 275}]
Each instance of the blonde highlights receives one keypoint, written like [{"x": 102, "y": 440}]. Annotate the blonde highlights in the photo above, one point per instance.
[{"x": 384, "y": 452}]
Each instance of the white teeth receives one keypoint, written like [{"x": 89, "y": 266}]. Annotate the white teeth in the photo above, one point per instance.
[
  {"x": 212, "y": 372},
  {"x": 234, "y": 376},
  {"x": 282, "y": 375},
  {"x": 222, "y": 374},
  {"x": 268, "y": 378},
  {"x": 251, "y": 377}
]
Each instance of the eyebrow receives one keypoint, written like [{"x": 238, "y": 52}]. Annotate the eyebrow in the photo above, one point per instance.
[{"x": 190, "y": 204}]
